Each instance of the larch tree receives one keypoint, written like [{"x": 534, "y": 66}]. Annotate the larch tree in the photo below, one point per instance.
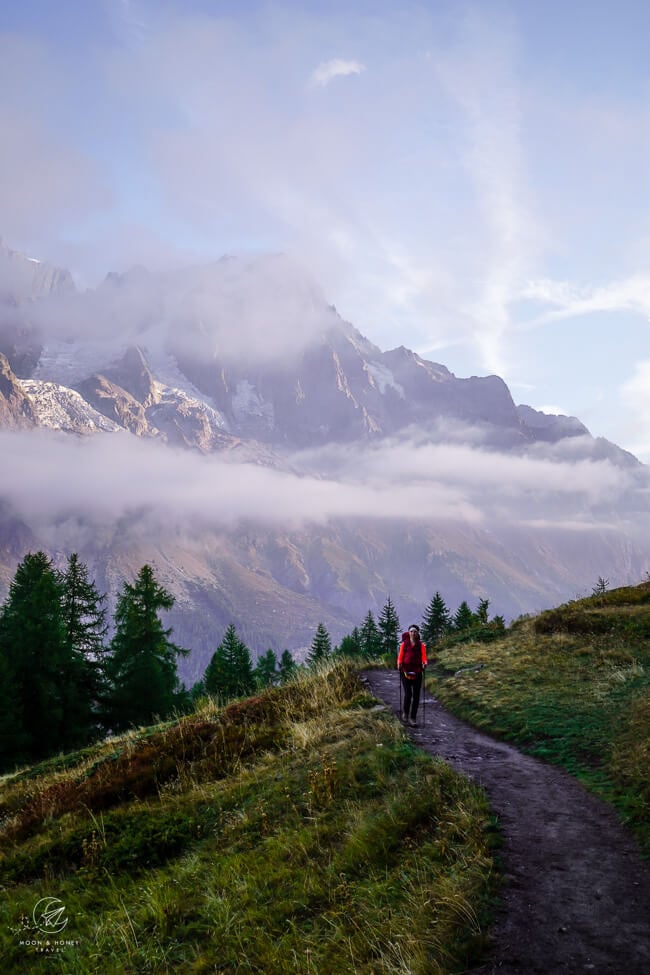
[
  {"x": 436, "y": 620},
  {"x": 369, "y": 636},
  {"x": 34, "y": 662},
  {"x": 321, "y": 646},
  {"x": 482, "y": 612},
  {"x": 350, "y": 645},
  {"x": 266, "y": 670},
  {"x": 464, "y": 618},
  {"x": 84, "y": 619},
  {"x": 389, "y": 629},
  {"x": 230, "y": 671},
  {"x": 142, "y": 666},
  {"x": 287, "y": 667}
]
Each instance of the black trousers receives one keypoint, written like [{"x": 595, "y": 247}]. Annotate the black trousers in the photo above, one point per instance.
[{"x": 411, "y": 690}]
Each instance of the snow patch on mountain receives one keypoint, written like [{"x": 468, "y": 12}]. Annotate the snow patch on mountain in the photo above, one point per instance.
[
  {"x": 384, "y": 378},
  {"x": 170, "y": 378},
  {"x": 69, "y": 363},
  {"x": 247, "y": 402},
  {"x": 60, "y": 408},
  {"x": 180, "y": 400}
]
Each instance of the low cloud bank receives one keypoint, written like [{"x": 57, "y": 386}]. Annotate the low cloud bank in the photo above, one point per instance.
[
  {"x": 254, "y": 309},
  {"x": 51, "y": 477}
]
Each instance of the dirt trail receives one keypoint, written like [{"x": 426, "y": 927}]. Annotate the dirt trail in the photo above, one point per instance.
[{"x": 576, "y": 896}]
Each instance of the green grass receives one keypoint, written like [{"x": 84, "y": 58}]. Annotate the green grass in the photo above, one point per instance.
[
  {"x": 296, "y": 832},
  {"x": 571, "y": 686}
]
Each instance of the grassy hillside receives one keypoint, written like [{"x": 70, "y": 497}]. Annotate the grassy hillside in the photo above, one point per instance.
[
  {"x": 298, "y": 831},
  {"x": 571, "y": 686}
]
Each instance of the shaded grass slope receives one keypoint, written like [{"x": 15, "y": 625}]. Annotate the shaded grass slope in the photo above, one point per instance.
[
  {"x": 571, "y": 686},
  {"x": 298, "y": 831}
]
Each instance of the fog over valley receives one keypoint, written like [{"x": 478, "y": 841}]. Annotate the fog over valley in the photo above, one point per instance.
[{"x": 278, "y": 469}]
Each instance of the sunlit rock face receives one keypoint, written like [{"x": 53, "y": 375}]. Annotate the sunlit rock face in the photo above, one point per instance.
[
  {"x": 16, "y": 408},
  {"x": 225, "y": 424}
]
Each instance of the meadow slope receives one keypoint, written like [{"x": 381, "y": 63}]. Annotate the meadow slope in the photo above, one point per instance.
[{"x": 298, "y": 831}]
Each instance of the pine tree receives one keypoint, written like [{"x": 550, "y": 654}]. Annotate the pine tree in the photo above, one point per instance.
[
  {"x": 482, "y": 612},
  {"x": 34, "y": 662},
  {"x": 369, "y": 637},
  {"x": 13, "y": 738},
  {"x": 321, "y": 646},
  {"x": 142, "y": 667},
  {"x": 287, "y": 667},
  {"x": 389, "y": 629},
  {"x": 464, "y": 618},
  {"x": 601, "y": 587},
  {"x": 436, "y": 620},
  {"x": 230, "y": 671},
  {"x": 266, "y": 671},
  {"x": 84, "y": 619},
  {"x": 350, "y": 645}
]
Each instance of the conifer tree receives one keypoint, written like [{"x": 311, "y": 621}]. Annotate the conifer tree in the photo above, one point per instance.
[
  {"x": 436, "y": 620},
  {"x": 464, "y": 618},
  {"x": 12, "y": 736},
  {"x": 84, "y": 619},
  {"x": 350, "y": 645},
  {"x": 482, "y": 612},
  {"x": 389, "y": 629},
  {"x": 35, "y": 664},
  {"x": 266, "y": 671},
  {"x": 369, "y": 636},
  {"x": 230, "y": 671},
  {"x": 142, "y": 667},
  {"x": 287, "y": 667},
  {"x": 321, "y": 646}
]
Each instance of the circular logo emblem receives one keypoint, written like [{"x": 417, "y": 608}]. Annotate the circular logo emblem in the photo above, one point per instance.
[{"x": 49, "y": 915}]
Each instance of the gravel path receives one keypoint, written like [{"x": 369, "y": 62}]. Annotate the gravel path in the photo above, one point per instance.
[{"x": 576, "y": 896}]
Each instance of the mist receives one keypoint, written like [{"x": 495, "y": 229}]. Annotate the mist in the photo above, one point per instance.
[
  {"x": 108, "y": 477},
  {"x": 247, "y": 310}
]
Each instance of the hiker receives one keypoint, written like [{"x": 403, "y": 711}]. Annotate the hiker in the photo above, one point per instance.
[{"x": 411, "y": 661}]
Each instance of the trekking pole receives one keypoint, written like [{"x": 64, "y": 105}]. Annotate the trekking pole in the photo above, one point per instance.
[{"x": 424, "y": 696}]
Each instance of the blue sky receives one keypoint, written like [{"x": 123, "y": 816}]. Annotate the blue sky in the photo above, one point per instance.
[{"x": 469, "y": 180}]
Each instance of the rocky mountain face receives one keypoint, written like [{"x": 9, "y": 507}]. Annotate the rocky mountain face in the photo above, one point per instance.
[
  {"x": 16, "y": 408},
  {"x": 157, "y": 369},
  {"x": 246, "y": 361}
]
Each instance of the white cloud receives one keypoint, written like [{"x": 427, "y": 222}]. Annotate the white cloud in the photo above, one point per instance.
[
  {"x": 251, "y": 309},
  {"x": 481, "y": 77},
  {"x": 109, "y": 477},
  {"x": 631, "y": 293},
  {"x": 336, "y": 68},
  {"x": 553, "y": 410}
]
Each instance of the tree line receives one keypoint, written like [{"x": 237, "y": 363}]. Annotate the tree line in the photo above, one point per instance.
[
  {"x": 65, "y": 684},
  {"x": 381, "y": 637}
]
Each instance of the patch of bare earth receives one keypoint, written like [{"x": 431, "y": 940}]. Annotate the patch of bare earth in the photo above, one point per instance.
[{"x": 576, "y": 893}]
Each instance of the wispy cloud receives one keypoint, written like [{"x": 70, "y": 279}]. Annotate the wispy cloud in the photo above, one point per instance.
[
  {"x": 336, "y": 68},
  {"x": 631, "y": 293},
  {"x": 481, "y": 77}
]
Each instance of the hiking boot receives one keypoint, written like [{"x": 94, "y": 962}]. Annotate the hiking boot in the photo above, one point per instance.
[{"x": 413, "y": 723}]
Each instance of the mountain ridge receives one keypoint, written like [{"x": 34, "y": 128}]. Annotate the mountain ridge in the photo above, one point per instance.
[{"x": 282, "y": 487}]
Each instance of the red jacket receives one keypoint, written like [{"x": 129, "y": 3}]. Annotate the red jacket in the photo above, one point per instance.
[{"x": 412, "y": 657}]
